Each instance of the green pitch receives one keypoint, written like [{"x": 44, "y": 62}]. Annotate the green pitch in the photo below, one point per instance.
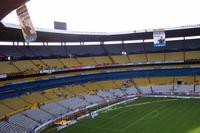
[{"x": 145, "y": 115}]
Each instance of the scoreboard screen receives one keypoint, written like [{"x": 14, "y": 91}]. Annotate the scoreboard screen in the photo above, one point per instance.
[{"x": 60, "y": 25}]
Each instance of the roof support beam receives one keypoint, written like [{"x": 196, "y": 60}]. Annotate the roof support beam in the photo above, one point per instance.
[
  {"x": 184, "y": 48},
  {"x": 124, "y": 48},
  {"x": 145, "y": 50}
]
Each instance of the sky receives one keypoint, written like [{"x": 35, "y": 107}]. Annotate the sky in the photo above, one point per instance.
[{"x": 111, "y": 15}]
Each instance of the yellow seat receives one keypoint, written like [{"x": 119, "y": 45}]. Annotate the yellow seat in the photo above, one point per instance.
[
  {"x": 157, "y": 57},
  {"x": 50, "y": 95},
  {"x": 4, "y": 110},
  {"x": 92, "y": 87},
  {"x": 64, "y": 92},
  {"x": 76, "y": 89},
  {"x": 174, "y": 56},
  {"x": 192, "y": 55},
  {"x": 120, "y": 59},
  {"x": 26, "y": 66},
  {"x": 34, "y": 98},
  {"x": 137, "y": 58},
  {"x": 161, "y": 81},
  {"x": 86, "y": 61},
  {"x": 70, "y": 62},
  {"x": 107, "y": 85},
  {"x": 53, "y": 63},
  {"x": 40, "y": 64},
  {"x": 102, "y": 60},
  {"x": 123, "y": 83},
  {"x": 141, "y": 81},
  {"x": 15, "y": 103},
  {"x": 7, "y": 68}
]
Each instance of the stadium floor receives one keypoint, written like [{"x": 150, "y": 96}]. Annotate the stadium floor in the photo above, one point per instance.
[{"x": 146, "y": 115}]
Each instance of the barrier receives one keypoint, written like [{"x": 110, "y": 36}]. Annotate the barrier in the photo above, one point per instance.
[{"x": 166, "y": 96}]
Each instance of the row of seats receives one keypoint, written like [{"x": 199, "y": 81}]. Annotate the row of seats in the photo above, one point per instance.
[
  {"x": 23, "y": 102},
  {"x": 28, "y": 120},
  {"x": 6, "y": 127},
  {"x": 30, "y": 79},
  {"x": 23, "y": 121},
  {"x": 32, "y": 66},
  {"x": 170, "y": 89},
  {"x": 44, "y": 51}
]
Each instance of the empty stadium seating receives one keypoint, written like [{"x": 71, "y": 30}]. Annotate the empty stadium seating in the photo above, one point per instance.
[
  {"x": 79, "y": 96},
  {"x": 120, "y": 59},
  {"x": 54, "y": 108},
  {"x": 92, "y": 87},
  {"x": 73, "y": 103},
  {"x": 184, "y": 89},
  {"x": 15, "y": 103},
  {"x": 130, "y": 90},
  {"x": 23, "y": 121},
  {"x": 38, "y": 115},
  {"x": 138, "y": 58},
  {"x": 145, "y": 89},
  {"x": 6, "y": 127},
  {"x": 40, "y": 64},
  {"x": 76, "y": 89},
  {"x": 86, "y": 61},
  {"x": 33, "y": 66},
  {"x": 51, "y": 95},
  {"x": 157, "y": 57},
  {"x": 70, "y": 62},
  {"x": 191, "y": 55},
  {"x": 161, "y": 81},
  {"x": 102, "y": 60},
  {"x": 106, "y": 95},
  {"x": 174, "y": 56},
  {"x": 197, "y": 89},
  {"x": 53, "y": 63},
  {"x": 7, "y": 67},
  {"x": 117, "y": 93},
  {"x": 107, "y": 85},
  {"x": 92, "y": 99},
  {"x": 165, "y": 89},
  {"x": 141, "y": 82},
  {"x": 64, "y": 93},
  {"x": 5, "y": 110},
  {"x": 26, "y": 66},
  {"x": 34, "y": 98}
]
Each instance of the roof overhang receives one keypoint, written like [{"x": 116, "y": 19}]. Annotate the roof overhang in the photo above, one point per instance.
[
  {"x": 10, "y": 32},
  {"x": 8, "y": 6}
]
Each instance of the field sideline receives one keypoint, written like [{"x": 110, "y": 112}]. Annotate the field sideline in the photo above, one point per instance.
[{"x": 145, "y": 115}]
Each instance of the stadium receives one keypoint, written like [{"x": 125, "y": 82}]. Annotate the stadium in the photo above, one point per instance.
[{"x": 95, "y": 82}]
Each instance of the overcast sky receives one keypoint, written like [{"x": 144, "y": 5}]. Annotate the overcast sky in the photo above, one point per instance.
[{"x": 112, "y": 15}]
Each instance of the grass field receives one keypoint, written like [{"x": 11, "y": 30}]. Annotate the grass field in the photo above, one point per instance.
[{"x": 145, "y": 115}]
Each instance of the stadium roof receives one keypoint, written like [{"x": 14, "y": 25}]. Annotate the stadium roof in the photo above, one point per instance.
[
  {"x": 8, "y": 6},
  {"x": 13, "y": 33}
]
